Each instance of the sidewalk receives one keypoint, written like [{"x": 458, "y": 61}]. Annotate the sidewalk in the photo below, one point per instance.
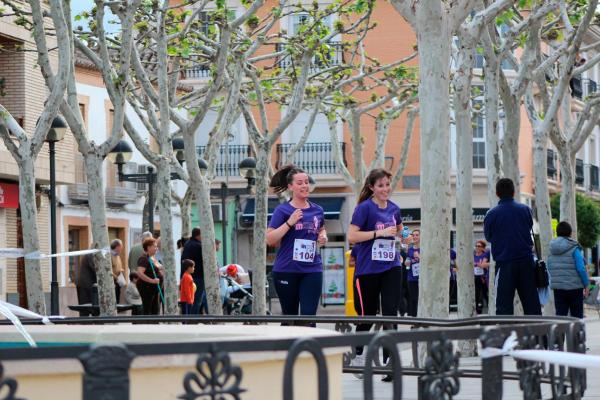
[{"x": 471, "y": 388}]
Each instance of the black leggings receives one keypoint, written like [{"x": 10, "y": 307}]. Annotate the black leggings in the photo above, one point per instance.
[
  {"x": 413, "y": 298},
  {"x": 481, "y": 292},
  {"x": 375, "y": 290}
]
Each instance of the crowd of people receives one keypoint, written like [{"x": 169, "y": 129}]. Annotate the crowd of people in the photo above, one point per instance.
[{"x": 386, "y": 255}]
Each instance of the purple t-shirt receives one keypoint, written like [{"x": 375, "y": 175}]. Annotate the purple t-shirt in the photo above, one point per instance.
[
  {"x": 372, "y": 256},
  {"x": 476, "y": 259},
  {"x": 452, "y": 264},
  {"x": 298, "y": 251},
  {"x": 414, "y": 255}
]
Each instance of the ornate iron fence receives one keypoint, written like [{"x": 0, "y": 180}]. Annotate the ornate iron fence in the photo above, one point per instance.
[{"x": 106, "y": 367}]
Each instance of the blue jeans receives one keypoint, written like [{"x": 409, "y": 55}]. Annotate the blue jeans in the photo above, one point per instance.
[
  {"x": 569, "y": 302},
  {"x": 296, "y": 289},
  {"x": 200, "y": 303}
]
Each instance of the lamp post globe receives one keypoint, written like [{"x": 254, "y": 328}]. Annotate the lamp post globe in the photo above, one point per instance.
[
  {"x": 121, "y": 153},
  {"x": 178, "y": 147},
  {"x": 57, "y": 130}
]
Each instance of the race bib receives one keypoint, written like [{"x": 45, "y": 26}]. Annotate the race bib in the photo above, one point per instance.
[
  {"x": 478, "y": 271},
  {"x": 383, "y": 250},
  {"x": 415, "y": 269},
  {"x": 304, "y": 250}
]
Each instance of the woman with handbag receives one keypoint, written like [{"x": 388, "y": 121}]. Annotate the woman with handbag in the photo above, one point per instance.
[{"x": 568, "y": 277}]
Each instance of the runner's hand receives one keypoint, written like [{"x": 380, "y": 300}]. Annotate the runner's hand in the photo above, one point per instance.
[
  {"x": 389, "y": 231},
  {"x": 295, "y": 217},
  {"x": 322, "y": 239}
]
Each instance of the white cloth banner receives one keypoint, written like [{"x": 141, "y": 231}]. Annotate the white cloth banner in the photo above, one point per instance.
[
  {"x": 36, "y": 255},
  {"x": 575, "y": 360}
]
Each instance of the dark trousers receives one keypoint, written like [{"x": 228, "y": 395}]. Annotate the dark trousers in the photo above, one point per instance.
[
  {"x": 200, "y": 303},
  {"x": 569, "y": 302},
  {"x": 403, "y": 298},
  {"x": 374, "y": 290},
  {"x": 298, "y": 290},
  {"x": 137, "y": 309},
  {"x": 117, "y": 292},
  {"x": 84, "y": 296},
  {"x": 519, "y": 276},
  {"x": 413, "y": 298},
  {"x": 480, "y": 293},
  {"x": 186, "y": 308},
  {"x": 150, "y": 299},
  {"x": 452, "y": 293}
]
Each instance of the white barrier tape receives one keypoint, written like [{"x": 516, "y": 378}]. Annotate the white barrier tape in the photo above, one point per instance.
[
  {"x": 574, "y": 360},
  {"x": 17, "y": 323},
  {"x": 23, "y": 312},
  {"x": 36, "y": 255}
]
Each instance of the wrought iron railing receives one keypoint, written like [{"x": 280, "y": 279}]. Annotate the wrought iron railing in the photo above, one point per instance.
[
  {"x": 334, "y": 57},
  {"x": 105, "y": 367},
  {"x": 314, "y": 158},
  {"x": 228, "y": 158}
]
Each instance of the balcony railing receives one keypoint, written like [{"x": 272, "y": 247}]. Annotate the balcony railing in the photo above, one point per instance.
[
  {"x": 594, "y": 178},
  {"x": 314, "y": 158},
  {"x": 197, "y": 72},
  {"x": 551, "y": 167},
  {"x": 582, "y": 87},
  {"x": 579, "y": 175},
  {"x": 335, "y": 57},
  {"x": 228, "y": 158}
]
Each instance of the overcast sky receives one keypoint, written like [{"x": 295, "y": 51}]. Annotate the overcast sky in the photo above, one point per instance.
[{"x": 78, "y": 6}]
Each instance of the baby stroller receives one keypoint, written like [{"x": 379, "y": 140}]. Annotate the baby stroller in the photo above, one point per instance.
[{"x": 236, "y": 293}]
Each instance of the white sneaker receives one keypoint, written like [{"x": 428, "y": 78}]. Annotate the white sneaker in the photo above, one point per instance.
[{"x": 358, "y": 361}]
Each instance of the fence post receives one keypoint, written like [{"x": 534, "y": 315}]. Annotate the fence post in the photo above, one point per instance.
[
  {"x": 106, "y": 372},
  {"x": 491, "y": 368}
]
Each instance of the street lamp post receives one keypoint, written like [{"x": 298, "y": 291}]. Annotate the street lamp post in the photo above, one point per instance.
[
  {"x": 121, "y": 154},
  {"x": 55, "y": 134}
]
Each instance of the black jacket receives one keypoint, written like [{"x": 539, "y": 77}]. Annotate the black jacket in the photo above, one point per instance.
[
  {"x": 86, "y": 276},
  {"x": 193, "y": 251}
]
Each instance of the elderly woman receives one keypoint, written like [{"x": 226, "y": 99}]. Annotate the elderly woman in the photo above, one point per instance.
[{"x": 150, "y": 274}]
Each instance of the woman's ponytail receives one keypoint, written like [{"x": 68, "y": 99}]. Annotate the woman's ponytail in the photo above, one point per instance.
[{"x": 283, "y": 177}]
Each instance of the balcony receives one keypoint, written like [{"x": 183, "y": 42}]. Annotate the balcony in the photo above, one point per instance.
[
  {"x": 335, "y": 57},
  {"x": 197, "y": 72},
  {"x": 594, "y": 178},
  {"x": 582, "y": 87},
  {"x": 120, "y": 196},
  {"x": 314, "y": 158},
  {"x": 579, "y": 175},
  {"x": 228, "y": 158},
  {"x": 551, "y": 165}
]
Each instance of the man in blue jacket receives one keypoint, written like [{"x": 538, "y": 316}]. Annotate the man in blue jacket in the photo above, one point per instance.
[{"x": 508, "y": 228}]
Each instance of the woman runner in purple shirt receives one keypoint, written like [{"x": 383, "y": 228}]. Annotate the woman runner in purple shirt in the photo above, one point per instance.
[
  {"x": 297, "y": 228},
  {"x": 375, "y": 224}
]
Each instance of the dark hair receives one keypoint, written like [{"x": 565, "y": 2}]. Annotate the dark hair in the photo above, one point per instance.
[
  {"x": 147, "y": 243},
  {"x": 482, "y": 243},
  {"x": 283, "y": 177},
  {"x": 564, "y": 229},
  {"x": 133, "y": 276},
  {"x": 187, "y": 263},
  {"x": 115, "y": 243},
  {"x": 196, "y": 232},
  {"x": 505, "y": 188},
  {"x": 374, "y": 176}
]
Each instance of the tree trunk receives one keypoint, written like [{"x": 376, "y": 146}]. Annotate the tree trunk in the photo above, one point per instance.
[
  {"x": 31, "y": 243},
  {"x": 510, "y": 142},
  {"x": 493, "y": 161},
  {"x": 163, "y": 191},
  {"x": 259, "y": 253},
  {"x": 433, "y": 41},
  {"x": 567, "y": 181},
  {"x": 185, "y": 207},
  {"x": 100, "y": 239},
  {"x": 464, "y": 185}
]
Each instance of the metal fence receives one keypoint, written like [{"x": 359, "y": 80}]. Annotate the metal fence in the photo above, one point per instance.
[{"x": 106, "y": 367}]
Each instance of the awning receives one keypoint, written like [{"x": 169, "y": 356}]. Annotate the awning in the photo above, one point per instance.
[
  {"x": 332, "y": 206},
  {"x": 9, "y": 195}
]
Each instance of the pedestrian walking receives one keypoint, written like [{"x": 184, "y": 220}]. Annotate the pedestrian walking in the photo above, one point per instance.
[
  {"x": 378, "y": 275},
  {"x": 297, "y": 228},
  {"x": 116, "y": 247},
  {"x": 137, "y": 251},
  {"x": 568, "y": 277},
  {"x": 481, "y": 264},
  {"x": 508, "y": 228},
  {"x": 150, "y": 273},
  {"x": 85, "y": 278}
]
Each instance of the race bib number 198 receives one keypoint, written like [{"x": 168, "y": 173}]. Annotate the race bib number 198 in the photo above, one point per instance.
[
  {"x": 383, "y": 250},
  {"x": 304, "y": 250}
]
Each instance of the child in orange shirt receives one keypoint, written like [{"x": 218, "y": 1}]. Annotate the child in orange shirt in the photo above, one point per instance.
[{"x": 187, "y": 287}]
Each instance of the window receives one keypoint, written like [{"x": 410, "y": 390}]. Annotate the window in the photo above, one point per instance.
[
  {"x": 478, "y": 139},
  {"x": 298, "y": 21}
]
